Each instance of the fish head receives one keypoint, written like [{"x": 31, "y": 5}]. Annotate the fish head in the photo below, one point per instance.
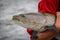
[{"x": 20, "y": 18}]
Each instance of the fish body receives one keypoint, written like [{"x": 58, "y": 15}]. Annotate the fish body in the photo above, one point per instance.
[{"x": 35, "y": 20}]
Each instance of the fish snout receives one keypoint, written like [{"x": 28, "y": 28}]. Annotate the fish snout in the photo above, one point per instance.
[{"x": 16, "y": 18}]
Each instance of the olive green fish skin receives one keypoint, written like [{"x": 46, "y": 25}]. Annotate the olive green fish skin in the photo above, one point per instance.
[{"x": 35, "y": 21}]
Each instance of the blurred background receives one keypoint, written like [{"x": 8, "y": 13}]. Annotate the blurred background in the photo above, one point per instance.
[{"x": 8, "y": 8}]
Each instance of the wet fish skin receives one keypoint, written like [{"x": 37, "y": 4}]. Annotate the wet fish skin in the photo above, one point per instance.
[{"x": 35, "y": 20}]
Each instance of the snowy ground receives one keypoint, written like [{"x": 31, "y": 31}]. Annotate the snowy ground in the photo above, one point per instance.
[{"x": 8, "y": 8}]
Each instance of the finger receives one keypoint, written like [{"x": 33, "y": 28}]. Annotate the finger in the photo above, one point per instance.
[{"x": 58, "y": 14}]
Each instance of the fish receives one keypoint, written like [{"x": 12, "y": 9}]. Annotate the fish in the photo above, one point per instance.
[{"x": 36, "y": 21}]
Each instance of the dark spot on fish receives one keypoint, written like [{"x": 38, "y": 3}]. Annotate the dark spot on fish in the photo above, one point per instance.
[{"x": 22, "y": 15}]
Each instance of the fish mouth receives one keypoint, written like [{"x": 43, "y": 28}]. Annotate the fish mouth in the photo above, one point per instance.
[{"x": 19, "y": 19}]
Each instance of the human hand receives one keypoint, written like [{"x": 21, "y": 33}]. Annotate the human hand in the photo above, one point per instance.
[
  {"x": 57, "y": 24},
  {"x": 47, "y": 35}
]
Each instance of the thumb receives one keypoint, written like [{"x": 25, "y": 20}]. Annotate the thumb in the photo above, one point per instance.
[{"x": 58, "y": 14}]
